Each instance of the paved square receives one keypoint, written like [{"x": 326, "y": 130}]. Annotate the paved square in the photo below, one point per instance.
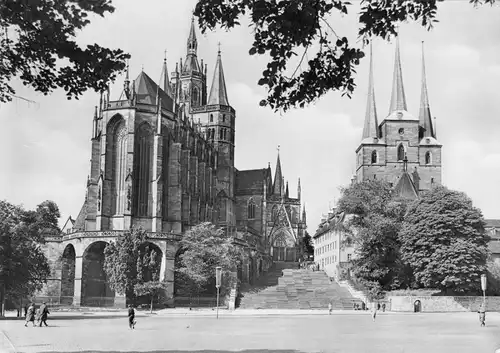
[{"x": 349, "y": 333}]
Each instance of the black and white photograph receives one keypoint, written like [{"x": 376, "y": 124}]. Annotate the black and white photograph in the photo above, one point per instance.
[{"x": 303, "y": 176}]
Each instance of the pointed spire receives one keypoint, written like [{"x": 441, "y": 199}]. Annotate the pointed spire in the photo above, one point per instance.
[
  {"x": 126, "y": 84},
  {"x": 398, "y": 98},
  {"x": 218, "y": 92},
  {"x": 95, "y": 128},
  {"x": 164, "y": 79},
  {"x": 192, "y": 43},
  {"x": 299, "y": 190},
  {"x": 278, "y": 177},
  {"x": 425, "y": 117},
  {"x": 371, "y": 122}
]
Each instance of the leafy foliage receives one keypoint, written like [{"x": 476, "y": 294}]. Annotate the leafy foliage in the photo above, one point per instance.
[
  {"x": 444, "y": 241},
  {"x": 288, "y": 28},
  {"x": 24, "y": 267},
  {"x": 376, "y": 215},
  {"x": 493, "y": 278},
  {"x": 307, "y": 244},
  {"x": 206, "y": 247},
  {"x": 151, "y": 289},
  {"x": 37, "y": 45},
  {"x": 131, "y": 261}
]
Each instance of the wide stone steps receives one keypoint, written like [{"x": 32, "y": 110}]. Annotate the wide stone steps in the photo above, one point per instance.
[{"x": 286, "y": 287}]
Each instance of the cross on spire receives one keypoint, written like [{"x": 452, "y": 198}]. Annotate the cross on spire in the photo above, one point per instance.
[
  {"x": 278, "y": 148},
  {"x": 218, "y": 44},
  {"x": 165, "y": 55}
]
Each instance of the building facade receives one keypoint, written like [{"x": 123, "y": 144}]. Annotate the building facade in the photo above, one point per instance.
[
  {"x": 162, "y": 158},
  {"x": 402, "y": 149}
]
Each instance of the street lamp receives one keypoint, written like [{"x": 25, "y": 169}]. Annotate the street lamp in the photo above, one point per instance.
[
  {"x": 218, "y": 274},
  {"x": 483, "y": 287}
]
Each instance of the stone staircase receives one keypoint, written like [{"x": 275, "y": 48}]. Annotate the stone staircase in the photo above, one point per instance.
[{"x": 287, "y": 287}]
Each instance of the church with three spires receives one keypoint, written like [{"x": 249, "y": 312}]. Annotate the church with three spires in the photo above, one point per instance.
[
  {"x": 162, "y": 159},
  {"x": 401, "y": 149}
]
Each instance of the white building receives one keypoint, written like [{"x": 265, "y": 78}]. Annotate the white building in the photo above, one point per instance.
[{"x": 329, "y": 252}]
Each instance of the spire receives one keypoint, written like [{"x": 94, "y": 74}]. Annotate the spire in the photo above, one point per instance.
[
  {"x": 218, "y": 92},
  {"x": 192, "y": 43},
  {"x": 126, "y": 84},
  {"x": 299, "y": 190},
  {"x": 164, "y": 80},
  {"x": 371, "y": 123},
  {"x": 287, "y": 193},
  {"x": 398, "y": 98},
  {"x": 278, "y": 177},
  {"x": 425, "y": 117}
]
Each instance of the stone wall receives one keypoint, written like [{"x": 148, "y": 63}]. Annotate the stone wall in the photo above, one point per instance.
[{"x": 436, "y": 304}]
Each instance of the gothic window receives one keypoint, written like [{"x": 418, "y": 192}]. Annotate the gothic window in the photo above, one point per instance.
[
  {"x": 211, "y": 118},
  {"x": 195, "y": 96},
  {"x": 428, "y": 158},
  {"x": 374, "y": 157},
  {"x": 401, "y": 153},
  {"x": 143, "y": 162},
  {"x": 220, "y": 134},
  {"x": 275, "y": 214},
  {"x": 223, "y": 118},
  {"x": 251, "y": 209},
  {"x": 119, "y": 167}
]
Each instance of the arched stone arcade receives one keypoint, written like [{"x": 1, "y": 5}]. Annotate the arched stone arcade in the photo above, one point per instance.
[
  {"x": 68, "y": 267},
  {"x": 95, "y": 289}
]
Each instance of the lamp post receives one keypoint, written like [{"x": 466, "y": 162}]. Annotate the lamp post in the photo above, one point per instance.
[
  {"x": 483, "y": 287},
  {"x": 218, "y": 274}
]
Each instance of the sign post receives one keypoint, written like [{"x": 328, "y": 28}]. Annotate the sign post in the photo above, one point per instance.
[
  {"x": 483, "y": 287},
  {"x": 218, "y": 274}
]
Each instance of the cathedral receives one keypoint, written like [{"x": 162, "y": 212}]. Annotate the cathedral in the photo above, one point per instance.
[
  {"x": 162, "y": 158},
  {"x": 402, "y": 149}
]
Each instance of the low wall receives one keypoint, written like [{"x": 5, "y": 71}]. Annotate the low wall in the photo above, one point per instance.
[{"x": 436, "y": 304}]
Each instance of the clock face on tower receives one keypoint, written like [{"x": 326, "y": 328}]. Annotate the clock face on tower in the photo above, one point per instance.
[{"x": 401, "y": 131}]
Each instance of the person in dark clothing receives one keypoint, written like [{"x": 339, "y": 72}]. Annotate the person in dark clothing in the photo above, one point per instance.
[
  {"x": 30, "y": 315},
  {"x": 378, "y": 306},
  {"x": 482, "y": 315},
  {"x": 383, "y": 307},
  {"x": 131, "y": 317},
  {"x": 25, "y": 310},
  {"x": 44, "y": 311}
]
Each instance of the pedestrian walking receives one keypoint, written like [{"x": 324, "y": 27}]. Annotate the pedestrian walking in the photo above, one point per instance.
[
  {"x": 44, "y": 311},
  {"x": 482, "y": 315},
  {"x": 329, "y": 308},
  {"x": 374, "y": 312},
  {"x": 131, "y": 317},
  {"x": 383, "y": 307},
  {"x": 30, "y": 315}
]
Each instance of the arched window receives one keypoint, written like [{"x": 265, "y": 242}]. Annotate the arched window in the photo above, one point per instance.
[
  {"x": 143, "y": 162},
  {"x": 428, "y": 157},
  {"x": 119, "y": 166},
  {"x": 195, "y": 97},
  {"x": 251, "y": 209},
  {"x": 211, "y": 118},
  {"x": 220, "y": 134},
  {"x": 223, "y": 118},
  {"x": 374, "y": 157},
  {"x": 401, "y": 153}
]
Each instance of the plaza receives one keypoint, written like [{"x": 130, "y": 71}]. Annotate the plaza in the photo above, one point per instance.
[{"x": 256, "y": 331}]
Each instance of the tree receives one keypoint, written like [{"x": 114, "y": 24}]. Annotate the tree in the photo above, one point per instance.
[
  {"x": 24, "y": 268},
  {"x": 307, "y": 244},
  {"x": 444, "y": 241},
  {"x": 206, "y": 247},
  {"x": 300, "y": 28},
  {"x": 131, "y": 261},
  {"x": 151, "y": 289},
  {"x": 376, "y": 214},
  {"x": 37, "y": 45}
]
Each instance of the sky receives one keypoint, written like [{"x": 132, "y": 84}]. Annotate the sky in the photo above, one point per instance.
[{"x": 46, "y": 144}]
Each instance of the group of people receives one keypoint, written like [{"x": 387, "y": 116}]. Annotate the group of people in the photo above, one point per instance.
[{"x": 39, "y": 315}]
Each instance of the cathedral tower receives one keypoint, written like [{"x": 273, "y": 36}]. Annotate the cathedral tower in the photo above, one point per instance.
[{"x": 402, "y": 149}]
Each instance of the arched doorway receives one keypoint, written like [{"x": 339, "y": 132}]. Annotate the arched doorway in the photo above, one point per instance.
[
  {"x": 95, "y": 288},
  {"x": 68, "y": 261},
  {"x": 417, "y": 306},
  {"x": 284, "y": 247}
]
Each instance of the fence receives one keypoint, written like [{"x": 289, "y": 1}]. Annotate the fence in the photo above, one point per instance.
[{"x": 197, "y": 302}]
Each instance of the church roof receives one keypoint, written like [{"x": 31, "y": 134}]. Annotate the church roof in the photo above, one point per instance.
[
  {"x": 405, "y": 187},
  {"x": 146, "y": 91},
  {"x": 80, "y": 219},
  {"x": 250, "y": 181},
  {"x": 218, "y": 92},
  {"x": 492, "y": 223}
]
